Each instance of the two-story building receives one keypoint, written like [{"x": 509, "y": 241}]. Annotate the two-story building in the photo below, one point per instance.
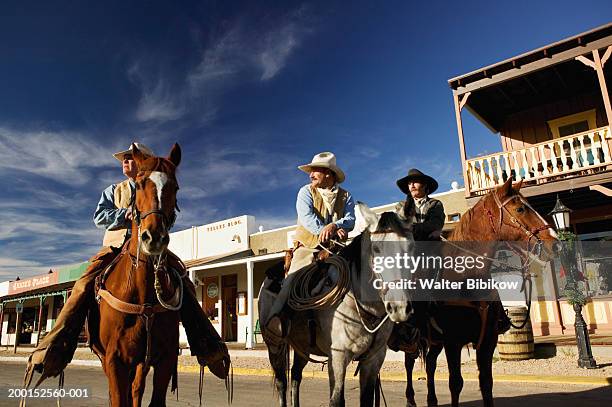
[{"x": 551, "y": 110}]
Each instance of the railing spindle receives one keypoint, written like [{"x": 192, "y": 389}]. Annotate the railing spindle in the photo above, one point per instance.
[
  {"x": 563, "y": 156},
  {"x": 543, "y": 160}
]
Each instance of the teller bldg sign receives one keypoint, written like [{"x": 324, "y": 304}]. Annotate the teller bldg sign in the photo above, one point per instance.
[{"x": 213, "y": 239}]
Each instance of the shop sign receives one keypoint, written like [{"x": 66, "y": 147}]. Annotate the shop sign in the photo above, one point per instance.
[
  {"x": 212, "y": 290},
  {"x": 28, "y": 284},
  {"x": 19, "y": 307}
]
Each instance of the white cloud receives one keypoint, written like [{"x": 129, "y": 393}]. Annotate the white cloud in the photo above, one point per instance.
[
  {"x": 221, "y": 170},
  {"x": 158, "y": 101},
  {"x": 61, "y": 156},
  {"x": 237, "y": 54}
]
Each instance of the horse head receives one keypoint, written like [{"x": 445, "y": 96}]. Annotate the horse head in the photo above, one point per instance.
[
  {"x": 387, "y": 236},
  {"x": 512, "y": 218},
  {"x": 155, "y": 203}
]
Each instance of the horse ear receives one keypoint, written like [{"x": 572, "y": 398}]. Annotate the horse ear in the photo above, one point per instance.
[
  {"x": 518, "y": 185},
  {"x": 175, "y": 155},
  {"x": 504, "y": 190},
  {"x": 370, "y": 218},
  {"x": 137, "y": 154}
]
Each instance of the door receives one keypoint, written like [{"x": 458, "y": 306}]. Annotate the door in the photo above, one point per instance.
[{"x": 229, "y": 286}]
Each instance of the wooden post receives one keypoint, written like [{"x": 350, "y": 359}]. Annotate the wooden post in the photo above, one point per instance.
[
  {"x": 597, "y": 64},
  {"x": 250, "y": 339},
  {"x": 17, "y": 330},
  {"x": 40, "y": 322},
  {"x": 458, "y": 107},
  {"x": 1, "y": 320}
]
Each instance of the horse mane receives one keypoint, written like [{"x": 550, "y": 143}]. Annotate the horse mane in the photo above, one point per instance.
[
  {"x": 461, "y": 233},
  {"x": 390, "y": 221},
  {"x": 157, "y": 164}
]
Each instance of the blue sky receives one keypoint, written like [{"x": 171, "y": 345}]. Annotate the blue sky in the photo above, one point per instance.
[{"x": 249, "y": 90}]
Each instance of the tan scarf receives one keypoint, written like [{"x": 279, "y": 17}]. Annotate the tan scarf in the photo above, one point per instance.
[{"x": 329, "y": 200}]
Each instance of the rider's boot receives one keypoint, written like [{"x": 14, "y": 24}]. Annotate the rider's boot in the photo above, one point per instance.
[
  {"x": 204, "y": 341},
  {"x": 278, "y": 327},
  {"x": 57, "y": 348}
]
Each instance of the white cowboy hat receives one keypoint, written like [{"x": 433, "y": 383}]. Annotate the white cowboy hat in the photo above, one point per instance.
[
  {"x": 143, "y": 149},
  {"x": 324, "y": 160}
]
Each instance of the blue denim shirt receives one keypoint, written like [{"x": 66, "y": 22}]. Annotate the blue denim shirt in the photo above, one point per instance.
[
  {"x": 312, "y": 223},
  {"x": 107, "y": 215}
]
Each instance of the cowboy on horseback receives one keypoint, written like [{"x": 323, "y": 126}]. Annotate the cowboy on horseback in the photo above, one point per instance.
[
  {"x": 325, "y": 212},
  {"x": 113, "y": 214},
  {"x": 428, "y": 221},
  {"x": 427, "y": 216}
]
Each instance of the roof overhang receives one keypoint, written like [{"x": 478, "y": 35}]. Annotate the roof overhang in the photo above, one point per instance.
[{"x": 545, "y": 75}]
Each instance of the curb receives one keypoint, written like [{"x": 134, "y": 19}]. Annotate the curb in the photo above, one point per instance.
[
  {"x": 386, "y": 376},
  {"x": 401, "y": 377}
]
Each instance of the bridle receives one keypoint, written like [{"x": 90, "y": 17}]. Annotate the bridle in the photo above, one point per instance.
[
  {"x": 515, "y": 223},
  {"x": 532, "y": 233}
]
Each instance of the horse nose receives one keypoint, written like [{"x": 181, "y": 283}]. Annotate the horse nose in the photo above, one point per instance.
[
  {"x": 146, "y": 236},
  {"x": 389, "y": 308},
  {"x": 150, "y": 237}
]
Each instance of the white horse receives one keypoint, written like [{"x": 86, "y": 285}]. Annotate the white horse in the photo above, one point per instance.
[{"x": 355, "y": 328}]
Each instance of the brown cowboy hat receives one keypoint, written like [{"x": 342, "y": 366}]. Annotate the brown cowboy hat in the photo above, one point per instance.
[{"x": 416, "y": 175}]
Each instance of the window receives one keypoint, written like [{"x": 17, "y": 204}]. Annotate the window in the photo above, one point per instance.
[
  {"x": 453, "y": 217},
  {"x": 573, "y": 124},
  {"x": 573, "y": 128}
]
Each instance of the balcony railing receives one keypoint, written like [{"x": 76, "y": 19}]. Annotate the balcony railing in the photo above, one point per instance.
[{"x": 551, "y": 160}]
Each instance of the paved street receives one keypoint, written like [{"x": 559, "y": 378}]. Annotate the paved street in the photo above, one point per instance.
[{"x": 252, "y": 391}]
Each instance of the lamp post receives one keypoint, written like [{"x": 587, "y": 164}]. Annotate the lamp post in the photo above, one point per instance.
[{"x": 561, "y": 216}]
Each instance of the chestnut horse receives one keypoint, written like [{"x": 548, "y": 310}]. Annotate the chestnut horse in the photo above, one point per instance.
[
  {"x": 501, "y": 215},
  {"x": 139, "y": 296}
]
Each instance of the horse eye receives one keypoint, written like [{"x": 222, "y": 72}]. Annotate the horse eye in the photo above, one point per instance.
[{"x": 520, "y": 209}]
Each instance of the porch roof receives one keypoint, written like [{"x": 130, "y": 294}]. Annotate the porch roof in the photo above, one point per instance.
[{"x": 535, "y": 78}]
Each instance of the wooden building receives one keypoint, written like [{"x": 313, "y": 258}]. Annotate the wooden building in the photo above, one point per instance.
[{"x": 551, "y": 110}]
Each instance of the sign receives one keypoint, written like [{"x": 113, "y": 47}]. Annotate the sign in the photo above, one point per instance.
[
  {"x": 29, "y": 284},
  {"x": 242, "y": 303},
  {"x": 213, "y": 290},
  {"x": 214, "y": 239},
  {"x": 19, "y": 307}
]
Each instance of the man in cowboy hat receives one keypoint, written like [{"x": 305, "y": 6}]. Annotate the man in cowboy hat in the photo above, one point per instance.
[
  {"x": 429, "y": 217},
  {"x": 56, "y": 349},
  {"x": 325, "y": 211},
  {"x": 427, "y": 222}
]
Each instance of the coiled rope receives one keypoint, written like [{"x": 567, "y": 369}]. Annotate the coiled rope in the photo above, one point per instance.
[{"x": 300, "y": 298}]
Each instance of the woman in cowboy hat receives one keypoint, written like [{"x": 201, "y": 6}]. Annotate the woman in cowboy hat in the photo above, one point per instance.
[
  {"x": 429, "y": 217},
  {"x": 324, "y": 211}
]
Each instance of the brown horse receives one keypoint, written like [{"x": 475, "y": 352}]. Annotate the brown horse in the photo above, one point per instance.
[
  {"x": 501, "y": 215},
  {"x": 139, "y": 296}
]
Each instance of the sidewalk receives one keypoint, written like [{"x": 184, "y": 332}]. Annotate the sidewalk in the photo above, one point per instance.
[{"x": 560, "y": 368}]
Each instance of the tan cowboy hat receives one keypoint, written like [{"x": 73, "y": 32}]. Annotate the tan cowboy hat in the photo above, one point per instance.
[
  {"x": 143, "y": 149},
  {"x": 416, "y": 175},
  {"x": 324, "y": 160}
]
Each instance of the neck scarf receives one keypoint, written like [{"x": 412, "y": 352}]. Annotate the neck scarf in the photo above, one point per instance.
[
  {"x": 329, "y": 200},
  {"x": 419, "y": 202}
]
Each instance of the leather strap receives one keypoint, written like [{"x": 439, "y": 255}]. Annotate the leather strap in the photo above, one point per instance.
[{"x": 129, "y": 308}]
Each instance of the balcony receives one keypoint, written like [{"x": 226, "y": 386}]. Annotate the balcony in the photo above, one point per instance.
[{"x": 551, "y": 161}]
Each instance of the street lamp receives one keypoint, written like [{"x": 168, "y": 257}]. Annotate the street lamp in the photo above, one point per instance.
[{"x": 561, "y": 216}]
